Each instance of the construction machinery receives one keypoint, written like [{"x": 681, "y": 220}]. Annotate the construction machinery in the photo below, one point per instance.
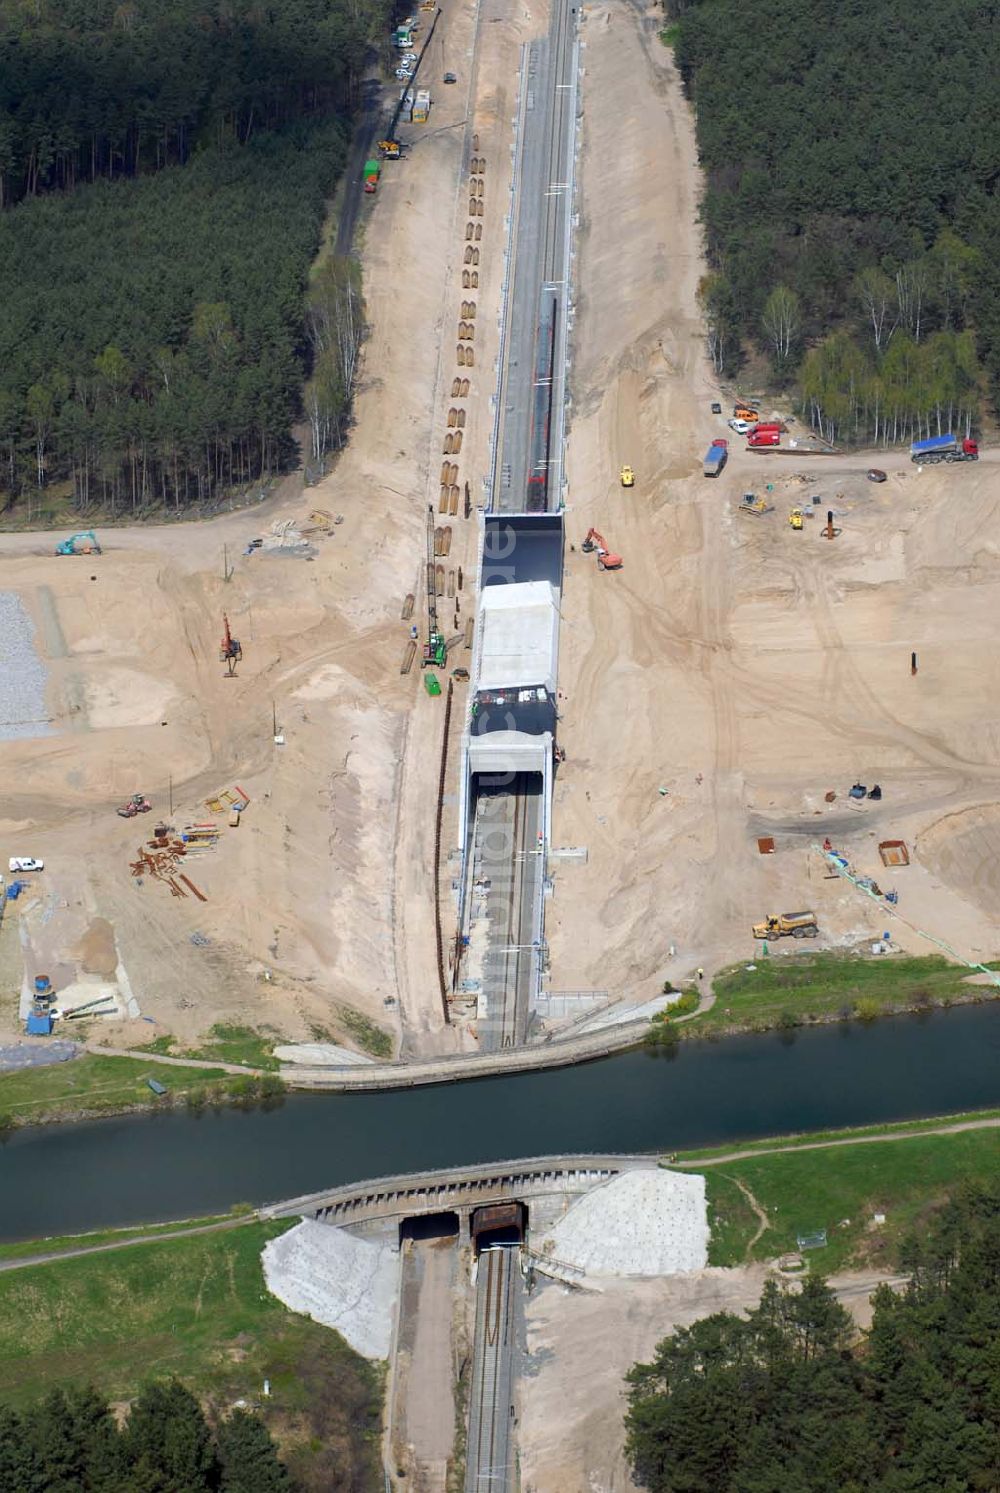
[
  {"x": 627, "y": 477},
  {"x": 137, "y": 804},
  {"x": 389, "y": 150},
  {"x": 606, "y": 559},
  {"x": 787, "y": 925},
  {"x": 230, "y": 651},
  {"x": 795, "y": 518},
  {"x": 79, "y": 544},
  {"x": 755, "y": 506}
]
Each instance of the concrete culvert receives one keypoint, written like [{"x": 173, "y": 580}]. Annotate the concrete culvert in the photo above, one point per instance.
[
  {"x": 464, "y": 391},
  {"x": 479, "y": 234},
  {"x": 472, "y": 206},
  {"x": 475, "y": 143},
  {"x": 456, "y": 387},
  {"x": 452, "y": 418},
  {"x": 460, "y": 419},
  {"x": 470, "y": 359},
  {"x": 468, "y": 231},
  {"x": 456, "y": 442},
  {"x": 461, "y": 356},
  {"x": 475, "y": 256},
  {"x": 480, "y": 189},
  {"x": 498, "y": 1223},
  {"x": 447, "y": 445},
  {"x": 471, "y": 313},
  {"x": 474, "y": 280},
  {"x": 465, "y": 279},
  {"x": 445, "y": 469},
  {"x": 430, "y": 1226},
  {"x": 469, "y": 251}
]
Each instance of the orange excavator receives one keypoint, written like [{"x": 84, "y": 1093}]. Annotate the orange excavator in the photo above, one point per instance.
[
  {"x": 606, "y": 560},
  {"x": 230, "y": 651}
]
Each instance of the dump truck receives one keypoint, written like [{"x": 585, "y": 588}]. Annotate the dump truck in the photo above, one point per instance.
[
  {"x": 372, "y": 173},
  {"x": 787, "y": 925},
  {"x": 944, "y": 448},
  {"x": 716, "y": 457}
]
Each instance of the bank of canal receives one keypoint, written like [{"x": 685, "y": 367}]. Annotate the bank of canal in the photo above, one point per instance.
[{"x": 64, "y": 1179}]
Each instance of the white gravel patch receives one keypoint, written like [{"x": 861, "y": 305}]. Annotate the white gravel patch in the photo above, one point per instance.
[
  {"x": 616, "y": 1015},
  {"x": 640, "y": 1223},
  {"x": 320, "y": 1055},
  {"x": 345, "y": 1283},
  {"x": 22, "y": 674}
]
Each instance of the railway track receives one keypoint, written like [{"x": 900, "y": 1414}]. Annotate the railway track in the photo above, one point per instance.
[
  {"x": 506, "y": 833},
  {"x": 489, "y": 1458}
]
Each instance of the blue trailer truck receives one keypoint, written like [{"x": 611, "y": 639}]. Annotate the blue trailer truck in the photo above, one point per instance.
[
  {"x": 715, "y": 458},
  {"x": 944, "y": 448}
]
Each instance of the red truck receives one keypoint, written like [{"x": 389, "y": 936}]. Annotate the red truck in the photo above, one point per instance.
[{"x": 763, "y": 436}]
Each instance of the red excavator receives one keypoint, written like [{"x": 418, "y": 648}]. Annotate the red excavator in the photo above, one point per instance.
[
  {"x": 605, "y": 559},
  {"x": 230, "y": 651}
]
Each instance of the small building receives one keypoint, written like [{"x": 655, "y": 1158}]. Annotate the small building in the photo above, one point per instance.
[
  {"x": 157, "y": 1088},
  {"x": 421, "y": 106}
]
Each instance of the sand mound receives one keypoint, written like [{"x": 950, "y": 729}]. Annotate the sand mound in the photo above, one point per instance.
[
  {"x": 336, "y": 1279},
  {"x": 642, "y": 1223},
  {"x": 964, "y": 851}
]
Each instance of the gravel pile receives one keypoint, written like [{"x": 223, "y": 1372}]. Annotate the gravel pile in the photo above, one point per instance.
[
  {"x": 22, "y": 674},
  {"x": 320, "y": 1055},
  {"x": 343, "y": 1282},
  {"x": 34, "y": 1055},
  {"x": 641, "y": 1223}
]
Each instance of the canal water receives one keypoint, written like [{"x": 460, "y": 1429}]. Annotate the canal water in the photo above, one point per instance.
[{"x": 69, "y": 1178}]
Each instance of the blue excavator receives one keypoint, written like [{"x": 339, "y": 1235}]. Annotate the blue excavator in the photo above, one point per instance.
[{"x": 79, "y": 544}]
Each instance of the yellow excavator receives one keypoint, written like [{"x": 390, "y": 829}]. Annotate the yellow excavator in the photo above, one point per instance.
[
  {"x": 627, "y": 477},
  {"x": 795, "y": 518},
  {"x": 787, "y": 925}
]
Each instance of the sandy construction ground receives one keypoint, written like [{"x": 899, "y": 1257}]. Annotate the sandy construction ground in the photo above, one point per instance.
[
  {"x": 303, "y": 900},
  {"x": 745, "y": 668},
  {"x": 572, "y": 1398}
]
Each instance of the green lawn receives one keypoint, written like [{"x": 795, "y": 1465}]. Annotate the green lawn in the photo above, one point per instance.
[
  {"x": 99, "y": 1084},
  {"x": 197, "y": 1308},
  {"x": 840, "y": 1189},
  {"x": 789, "y": 990},
  {"x": 788, "y": 1142},
  {"x": 61, "y": 1243},
  {"x": 237, "y": 1044}
]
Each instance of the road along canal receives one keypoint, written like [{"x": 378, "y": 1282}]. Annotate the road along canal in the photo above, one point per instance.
[{"x": 63, "y": 1179}]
